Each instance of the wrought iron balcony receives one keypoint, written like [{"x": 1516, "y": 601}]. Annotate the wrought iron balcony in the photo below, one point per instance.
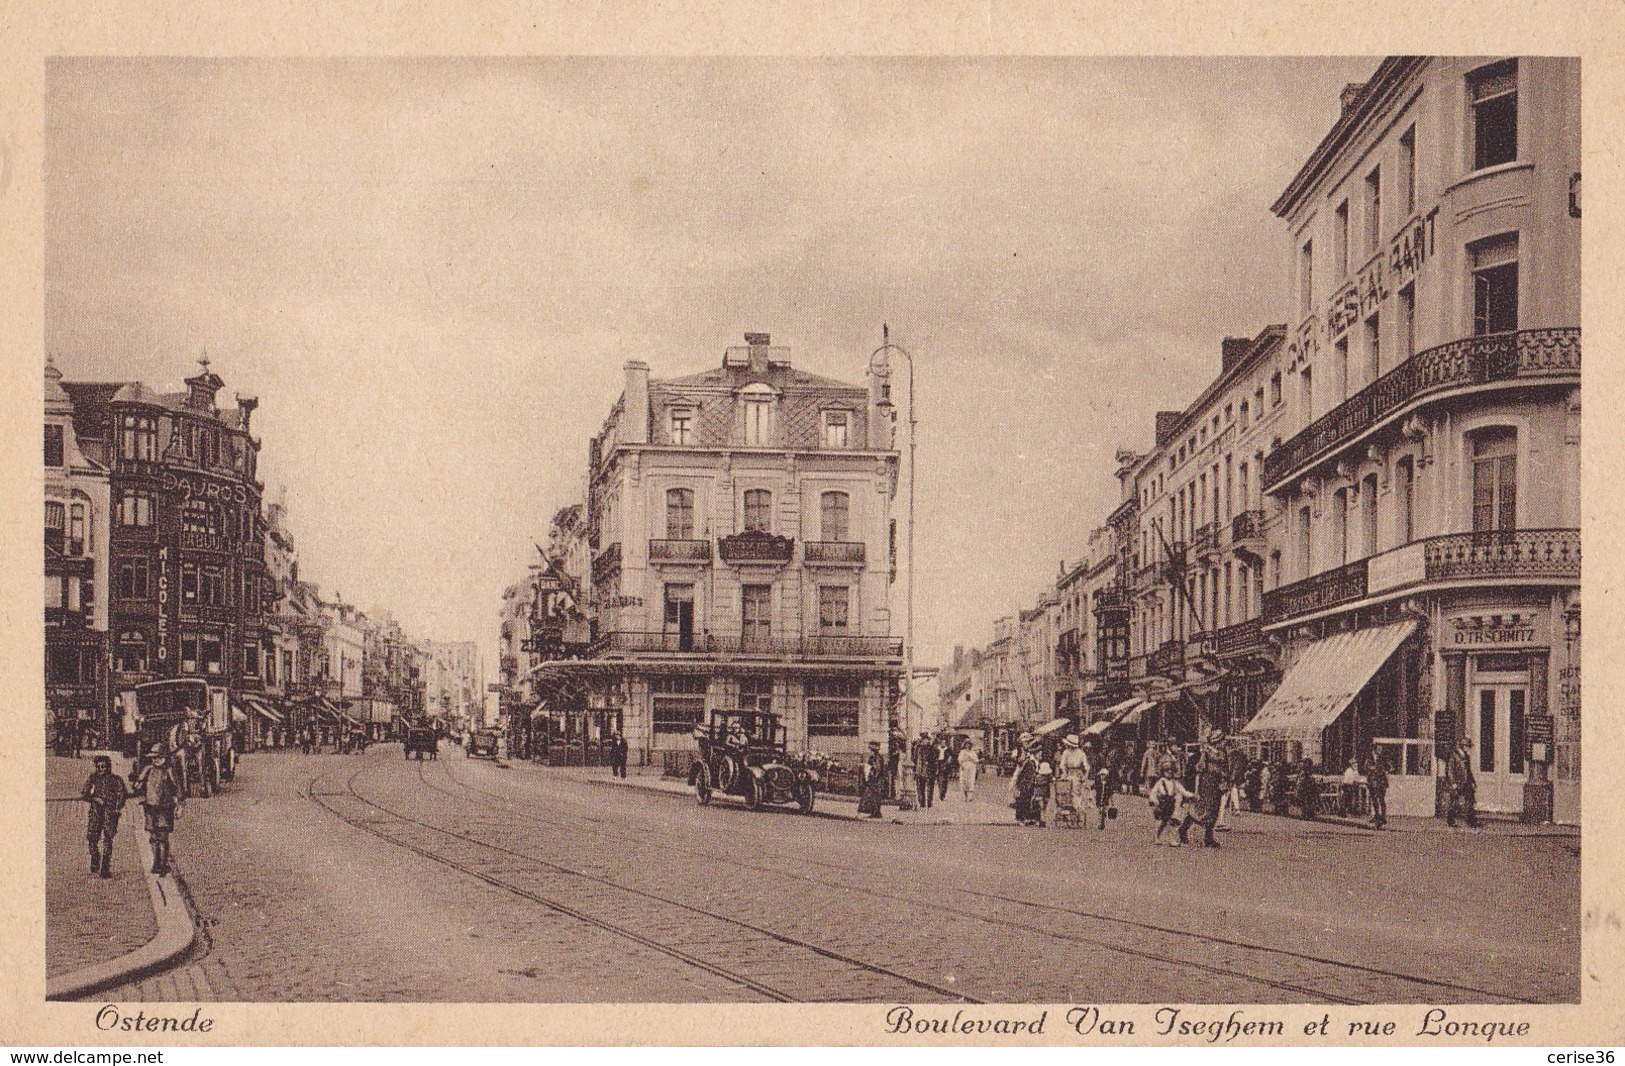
[
  {"x": 706, "y": 644},
  {"x": 1167, "y": 659},
  {"x": 1207, "y": 540},
  {"x": 1528, "y": 354},
  {"x": 1501, "y": 555},
  {"x": 1504, "y": 554},
  {"x": 680, "y": 551},
  {"x": 1243, "y": 638},
  {"x": 607, "y": 564},
  {"x": 1113, "y": 670},
  {"x": 1329, "y": 589},
  {"x": 833, "y": 551},
  {"x": 1111, "y": 597},
  {"x": 755, "y": 546}
]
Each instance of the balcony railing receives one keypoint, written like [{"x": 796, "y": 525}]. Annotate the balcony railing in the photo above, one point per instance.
[
  {"x": 1168, "y": 658},
  {"x": 813, "y": 647},
  {"x": 1247, "y": 526},
  {"x": 607, "y": 564},
  {"x": 1330, "y": 589},
  {"x": 1207, "y": 539},
  {"x": 1244, "y": 638},
  {"x": 1138, "y": 666},
  {"x": 754, "y": 546},
  {"x": 1491, "y": 556},
  {"x": 833, "y": 551},
  {"x": 680, "y": 551},
  {"x": 1510, "y": 553},
  {"x": 1531, "y": 353},
  {"x": 1111, "y": 597},
  {"x": 1113, "y": 670}
]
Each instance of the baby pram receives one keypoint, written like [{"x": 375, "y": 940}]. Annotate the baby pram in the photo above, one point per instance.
[{"x": 1068, "y": 794}]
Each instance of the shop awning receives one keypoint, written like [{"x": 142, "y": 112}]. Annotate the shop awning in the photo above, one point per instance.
[
  {"x": 1324, "y": 681},
  {"x": 1098, "y": 728},
  {"x": 238, "y": 715},
  {"x": 263, "y": 709},
  {"x": 1054, "y": 725},
  {"x": 1126, "y": 713},
  {"x": 1132, "y": 715}
]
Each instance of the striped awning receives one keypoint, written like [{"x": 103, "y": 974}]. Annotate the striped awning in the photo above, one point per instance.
[
  {"x": 1327, "y": 677},
  {"x": 1054, "y": 725},
  {"x": 263, "y": 709}
]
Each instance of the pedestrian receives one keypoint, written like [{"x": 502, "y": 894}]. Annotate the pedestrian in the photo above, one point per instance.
[
  {"x": 1072, "y": 771},
  {"x": 1148, "y": 776},
  {"x": 1023, "y": 782},
  {"x": 1209, "y": 770},
  {"x": 1105, "y": 788},
  {"x": 1349, "y": 794},
  {"x": 160, "y": 801},
  {"x": 1043, "y": 786},
  {"x": 970, "y": 761},
  {"x": 1376, "y": 786},
  {"x": 1281, "y": 786},
  {"x": 873, "y": 786},
  {"x": 1168, "y": 799},
  {"x": 1308, "y": 789},
  {"x": 925, "y": 770},
  {"x": 617, "y": 755},
  {"x": 1461, "y": 787},
  {"x": 945, "y": 764},
  {"x": 1252, "y": 787},
  {"x": 1235, "y": 775},
  {"x": 104, "y": 791},
  {"x": 896, "y": 745}
]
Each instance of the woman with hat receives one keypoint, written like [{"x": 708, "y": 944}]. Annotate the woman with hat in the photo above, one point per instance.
[
  {"x": 1071, "y": 779},
  {"x": 873, "y": 786},
  {"x": 160, "y": 799}
]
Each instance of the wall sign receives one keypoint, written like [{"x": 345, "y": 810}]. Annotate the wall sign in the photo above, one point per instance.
[{"x": 1491, "y": 631}]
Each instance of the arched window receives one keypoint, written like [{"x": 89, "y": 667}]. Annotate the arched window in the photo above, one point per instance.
[
  {"x": 680, "y": 514},
  {"x": 834, "y": 512},
  {"x": 758, "y": 508},
  {"x": 1495, "y": 479}
]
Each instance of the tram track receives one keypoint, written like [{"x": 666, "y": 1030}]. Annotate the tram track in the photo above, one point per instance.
[
  {"x": 1182, "y": 948},
  {"x": 747, "y": 939}
]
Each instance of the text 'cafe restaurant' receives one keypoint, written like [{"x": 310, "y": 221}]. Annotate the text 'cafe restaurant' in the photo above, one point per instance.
[{"x": 1407, "y": 680}]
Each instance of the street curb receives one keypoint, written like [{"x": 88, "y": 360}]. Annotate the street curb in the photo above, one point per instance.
[
  {"x": 176, "y": 934},
  {"x": 615, "y": 782}
]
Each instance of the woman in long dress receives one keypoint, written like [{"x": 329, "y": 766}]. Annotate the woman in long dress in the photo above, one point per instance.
[{"x": 873, "y": 786}]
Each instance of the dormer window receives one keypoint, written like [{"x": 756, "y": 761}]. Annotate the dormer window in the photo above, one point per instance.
[
  {"x": 682, "y": 425},
  {"x": 836, "y": 428},
  {"x": 757, "y": 401}
]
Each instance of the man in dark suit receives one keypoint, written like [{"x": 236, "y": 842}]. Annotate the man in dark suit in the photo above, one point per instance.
[
  {"x": 1461, "y": 788},
  {"x": 925, "y": 770}
]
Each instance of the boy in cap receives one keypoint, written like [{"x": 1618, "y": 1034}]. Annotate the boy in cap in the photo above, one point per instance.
[
  {"x": 104, "y": 791},
  {"x": 160, "y": 798}
]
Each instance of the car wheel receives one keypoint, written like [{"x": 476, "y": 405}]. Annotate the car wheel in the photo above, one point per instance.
[
  {"x": 804, "y": 800},
  {"x": 702, "y": 785},
  {"x": 753, "y": 793}
]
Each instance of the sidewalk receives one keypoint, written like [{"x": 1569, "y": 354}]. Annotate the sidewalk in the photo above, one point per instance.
[
  {"x": 100, "y": 932},
  {"x": 991, "y": 808}
]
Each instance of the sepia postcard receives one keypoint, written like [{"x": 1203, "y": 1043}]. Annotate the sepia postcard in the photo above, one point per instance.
[{"x": 958, "y": 527}]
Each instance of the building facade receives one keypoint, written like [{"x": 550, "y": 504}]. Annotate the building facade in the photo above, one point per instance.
[
  {"x": 77, "y": 520},
  {"x": 740, "y": 521},
  {"x": 188, "y": 585},
  {"x": 1427, "y": 482}
]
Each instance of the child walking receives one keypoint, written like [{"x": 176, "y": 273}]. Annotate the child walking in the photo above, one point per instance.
[{"x": 1168, "y": 798}]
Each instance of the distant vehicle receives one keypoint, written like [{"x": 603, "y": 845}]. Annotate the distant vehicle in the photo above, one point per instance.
[
  {"x": 192, "y": 720},
  {"x": 744, "y": 754},
  {"x": 482, "y": 744},
  {"x": 421, "y": 741}
]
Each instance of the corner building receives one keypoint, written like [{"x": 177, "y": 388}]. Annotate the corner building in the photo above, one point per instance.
[
  {"x": 740, "y": 521},
  {"x": 1424, "y": 495}
]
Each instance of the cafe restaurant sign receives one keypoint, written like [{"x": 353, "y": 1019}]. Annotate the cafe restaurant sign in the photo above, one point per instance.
[{"x": 1513, "y": 629}]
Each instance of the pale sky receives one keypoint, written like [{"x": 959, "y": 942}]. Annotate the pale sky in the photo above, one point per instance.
[{"x": 431, "y": 272}]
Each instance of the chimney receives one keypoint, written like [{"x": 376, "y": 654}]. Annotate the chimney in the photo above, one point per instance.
[
  {"x": 759, "y": 344},
  {"x": 1351, "y": 92},
  {"x": 1231, "y": 351},
  {"x": 1167, "y": 425},
  {"x": 635, "y": 403}
]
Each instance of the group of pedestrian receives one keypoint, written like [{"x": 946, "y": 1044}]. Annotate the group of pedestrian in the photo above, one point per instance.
[
  {"x": 937, "y": 762},
  {"x": 105, "y": 794},
  {"x": 1063, "y": 773}
]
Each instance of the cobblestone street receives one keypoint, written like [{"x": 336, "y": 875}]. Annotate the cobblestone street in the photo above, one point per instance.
[{"x": 370, "y": 878}]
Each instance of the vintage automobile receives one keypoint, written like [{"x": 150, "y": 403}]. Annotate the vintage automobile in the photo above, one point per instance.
[
  {"x": 191, "y": 719},
  {"x": 482, "y": 744},
  {"x": 421, "y": 741},
  {"x": 744, "y": 754}
]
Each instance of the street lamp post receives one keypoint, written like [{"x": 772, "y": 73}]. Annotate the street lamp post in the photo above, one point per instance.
[{"x": 906, "y": 786}]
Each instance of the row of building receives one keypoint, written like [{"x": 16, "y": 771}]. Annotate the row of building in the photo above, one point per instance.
[
  {"x": 162, "y": 561},
  {"x": 734, "y": 549},
  {"x": 1362, "y": 537}
]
